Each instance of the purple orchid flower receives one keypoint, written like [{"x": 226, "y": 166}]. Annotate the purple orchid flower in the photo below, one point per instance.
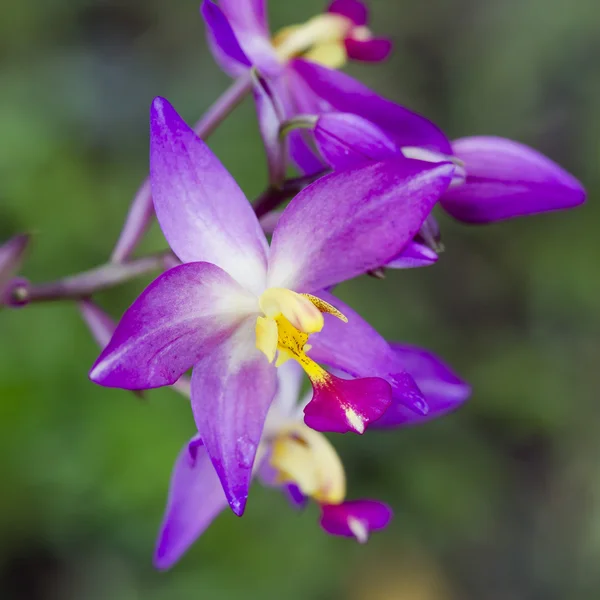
[
  {"x": 302, "y": 58},
  {"x": 234, "y": 303},
  {"x": 291, "y": 457},
  {"x": 495, "y": 178}
]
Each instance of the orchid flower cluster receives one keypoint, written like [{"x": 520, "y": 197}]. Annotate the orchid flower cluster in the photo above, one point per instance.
[{"x": 249, "y": 317}]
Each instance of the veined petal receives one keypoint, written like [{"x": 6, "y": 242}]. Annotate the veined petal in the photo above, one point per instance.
[
  {"x": 369, "y": 50},
  {"x": 353, "y": 9},
  {"x": 353, "y": 221},
  {"x": 248, "y": 19},
  {"x": 506, "y": 179},
  {"x": 355, "y": 518},
  {"x": 232, "y": 389},
  {"x": 414, "y": 255},
  {"x": 357, "y": 349},
  {"x": 443, "y": 389},
  {"x": 336, "y": 91},
  {"x": 178, "y": 318},
  {"x": 201, "y": 209},
  {"x": 346, "y": 141},
  {"x": 195, "y": 499},
  {"x": 222, "y": 40}
]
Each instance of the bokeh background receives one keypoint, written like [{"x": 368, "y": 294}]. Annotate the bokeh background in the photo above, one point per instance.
[{"x": 498, "y": 501}]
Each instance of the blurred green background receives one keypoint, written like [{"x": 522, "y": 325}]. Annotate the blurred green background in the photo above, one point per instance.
[{"x": 499, "y": 501}]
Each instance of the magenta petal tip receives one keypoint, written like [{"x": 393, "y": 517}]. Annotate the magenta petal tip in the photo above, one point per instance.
[{"x": 355, "y": 518}]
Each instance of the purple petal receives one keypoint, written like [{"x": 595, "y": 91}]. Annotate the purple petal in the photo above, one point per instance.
[
  {"x": 248, "y": 20},
  {"x": 443, "y": 389},
  {"x": 506, "y": 179},
  {"x": 178, "y": 318},
  {"x": 357, "y": 349},
  {"x": 232, "y": 389},
  {"x": 222, "y": 40},
  {"x": 352, "y": 9},
  {"x": 343, "y": 405},
  {"x": 270, "y": 115},
  {"x": 346, "y": 141},
  {"x": 295, "y": 497},
  {"x": 195, "y": 499},
  {"x": 414, "y": 255},
  {"x": 371, "y": 50},
  {"x": 11, "y": 257},
  {"x": 99, "y": 322},
  {"x": 336, "y": 91},
  {"x": 201, "y": 209},
  {"x": 320, "y": 240},
  {"x": 355, "y": 518}
]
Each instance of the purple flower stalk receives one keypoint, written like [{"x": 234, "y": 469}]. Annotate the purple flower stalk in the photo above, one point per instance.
[
  {"x": 235, "y": 306},
  {"x": 293, "y": 458}
]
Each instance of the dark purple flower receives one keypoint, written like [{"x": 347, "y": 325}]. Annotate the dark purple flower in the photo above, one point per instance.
[{"x": 234, "y": 303}]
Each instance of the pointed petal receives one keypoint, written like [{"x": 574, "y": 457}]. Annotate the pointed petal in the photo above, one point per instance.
[
  {"x": 357, "y": 349},
  {"x": 343, "y": 405},
  {"x": 355, "y": 518},
  {"x": 320, "y": 240},
  {"x": 232, "y": 389},
  {"x": 443, "y": 389},
  {"x": 248, "y": 19},
  {"x": 353, "y": 9},
  {"x": 11, "y": 257},
  {"x": 371, "y": 50},
  {"x": 506, "y": 179},
  {"x": 414, "y": 255},
  {"x": 201, "y": 209},
  {"x": 195, "y": 499},
  {"x": 178, "y": 318},
  {"x": 336, "y": 91},
  {"x": 346, "y": 141},
  {"x": 222, "y": 40}
]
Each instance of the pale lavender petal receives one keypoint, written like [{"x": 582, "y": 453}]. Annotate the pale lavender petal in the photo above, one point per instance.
[
  {"x": 355, "y": 518},
  {"x": 99, "y": 322},
  {"x": 195, "y": 499},
  {"x": 11, "y": 257},
  {"x": 232, "y": 389},
  {"x": 289, "y": 382},
  {"x": 336, "y": 91},
  {"x": 357, "y": 349},
  {"x": 180, "y": 317},
  {"x": 443, "y": 389},
  {"x": 350, "y": 222},
  {"x": 413, "y": 256},
  {"x": 506, "y": 179},
  {"x": 353, "y": 9},
  {"x": 371, "y": 50},
  {"x": 346, "y": 141},
  {"x": 201, "y": 209},
  {"x": 222, "y": 40},
  {"x": 248, "y": 20},
  {"x": 270, "y": 115}
]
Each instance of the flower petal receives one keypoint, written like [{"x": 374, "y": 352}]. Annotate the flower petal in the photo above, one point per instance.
[
  {"x": 371, "y": 50},
  {"x": 353, "y": 9},
  {"x": 248, "y": 19},
  {"x": 201, "y": 209},
  {"x": 99, "y": 322},
  {"x": 357, "y": 349},
  {"x": 443, "y": 389},
  {"x": 353, "y": 221},
  {"x": 346, "y": 141},
  {"x": 222, "y": 40},
  {"x": 355, "y": 518},
  {"x": 506, "y": 179},
  {"x": 195, "y": 499},
  {"x": 414, "y": 255},
  {"x": 180, "y": 316},
  {"x": 232, "y": 389},
  {"x": 336, "y": 91},
  {"x": 11, "y": 257}
]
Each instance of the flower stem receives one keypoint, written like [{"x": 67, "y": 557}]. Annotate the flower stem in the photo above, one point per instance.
[
  {"x": 141, "y": 210},
  {"x": 89, "y": 282}
]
